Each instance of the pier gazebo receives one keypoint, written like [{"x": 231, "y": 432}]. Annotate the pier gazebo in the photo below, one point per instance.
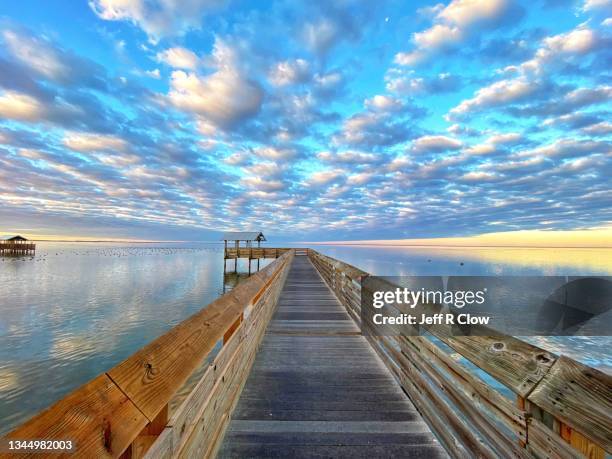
[
  {"x": 241, "y": 244},
  {"x": 15, "y": 245},
  {"x": 248, "y": 237}
]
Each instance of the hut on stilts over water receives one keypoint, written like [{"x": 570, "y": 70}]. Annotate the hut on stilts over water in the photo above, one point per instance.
[
  {"x": 240, "y": 244},
  {"x": 16, "y": 245}
]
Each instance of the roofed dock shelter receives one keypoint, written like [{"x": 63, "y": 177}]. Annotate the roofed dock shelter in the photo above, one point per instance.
[
  {"x": 241, "y": 244},
  {"x": 16, "y": 245}
]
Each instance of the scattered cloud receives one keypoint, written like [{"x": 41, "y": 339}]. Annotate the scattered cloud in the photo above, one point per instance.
[
  {"x": 179, "y": 58},
  {"x": 275, "y": 111},
  {"x": 453, "y": 24},
  {"x": 156, "y": 19},
  {"x": 435, "y": 144}
]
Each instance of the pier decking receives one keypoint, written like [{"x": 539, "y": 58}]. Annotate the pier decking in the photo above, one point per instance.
[{"x": 317, "y": 389}]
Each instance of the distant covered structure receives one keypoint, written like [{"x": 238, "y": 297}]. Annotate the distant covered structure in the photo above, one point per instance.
[
  {"x": 248, "y": 237},
  {"x": 241, "y": 244},
  {"x": 14, "y": 244}
]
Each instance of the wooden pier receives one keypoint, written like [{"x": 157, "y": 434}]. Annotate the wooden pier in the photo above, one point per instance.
[
  {"x": 287, "y": 373},
  {"x": 16, "y": 246},
  {"x": 240, "y": 245},
  {"x": 318, "y": 389}
]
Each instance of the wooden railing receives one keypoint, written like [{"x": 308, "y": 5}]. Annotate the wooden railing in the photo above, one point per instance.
[
  {"x": 124, "y": 411},
  {"x": 255, "y": 252},
  {"x": 553, "y": 406},
  {"x": 17, "y": 247}
]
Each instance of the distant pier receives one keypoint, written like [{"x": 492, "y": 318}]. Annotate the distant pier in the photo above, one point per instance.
[
  {"x": 240, "y": 244},
  {"x": 15, "y": 245}
]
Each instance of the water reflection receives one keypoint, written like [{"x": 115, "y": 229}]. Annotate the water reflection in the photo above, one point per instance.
[{"x": 473, "y": 261}]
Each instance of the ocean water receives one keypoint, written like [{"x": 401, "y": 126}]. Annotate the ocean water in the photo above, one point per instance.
[{"x": 75, "y": 310}]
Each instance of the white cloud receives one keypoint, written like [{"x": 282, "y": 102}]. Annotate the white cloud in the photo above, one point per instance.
[
  {"x": 328, "y": 81},
  {"x": 320, "y": 36},
  {"x": 86, "y": 142},
  {"x": 409, "y": 59},
  {"x": 262, "y": 184},
  {"x": 493, "y": 142},
  {"x": 481, "y": 149},
  {"x": 179, "y": 58},
  {"x": 347, "y": 157},
  {"x": 153, "y": 73},
  {"x": 452, "y": 24},
  {"x": 17, "y": 106},
  {"x": 507, "y": 138},
  {"x": 36, "y": 54},
  {"x": 290, "y": 72},
  {"x": 587, "y": 96},
  {"x": 498, "y": 93},
  {"x": 325, "y": 177},
  {"x": 156, "y": 18},
  {"x": 573, "y": 44},
  {"x": 438, "y": 36},
  {"x": 464, "y": 13},
  {"x": 360, "y": 179},
  {"x": 383, "y": 103},
  {"x": 274, "y": 153},
  {"x": 601, "y": 128},
  {"x": 435, "y": 143},
  {"x": 479, "y": 177},
  {"x": 223, "y": 98},
  {"x": 590, "y": 5}
]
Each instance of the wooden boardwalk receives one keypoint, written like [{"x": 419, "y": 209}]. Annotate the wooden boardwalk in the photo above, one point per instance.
[{"x": 318, "y": 389}]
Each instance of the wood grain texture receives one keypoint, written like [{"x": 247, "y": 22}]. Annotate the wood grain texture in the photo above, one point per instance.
[
  {"x": 546, "y": 444},
  {"x": 99, "y": 419},
  {"x": 579, "y": 396}
]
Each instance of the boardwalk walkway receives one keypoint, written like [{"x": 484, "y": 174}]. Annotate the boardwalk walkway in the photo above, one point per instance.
[{"x": 317, "y": 389}]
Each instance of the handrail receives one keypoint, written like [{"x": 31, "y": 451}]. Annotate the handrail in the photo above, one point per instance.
[
  {"x": 255, "y": 252},
  {"x": 563, "y": 408},
  {"x": 124, "y": 410}
]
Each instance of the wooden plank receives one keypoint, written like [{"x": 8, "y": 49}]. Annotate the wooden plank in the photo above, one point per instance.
[
  {"x": 447, "y": 436},
  {"x": 546, "y": 444},
  {"x": 97, "y": 417},
  {"x": 141, "y": 445},
  {"x": 516, "y": 364},
  {"x": 481, "y": 394},
  {"x": 466, "y": 433},
  {"x": 579, "y": 396},
  {"x": 470, "y": 407}
]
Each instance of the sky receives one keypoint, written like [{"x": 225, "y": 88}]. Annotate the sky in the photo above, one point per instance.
[{"x": 307, "y": 120}]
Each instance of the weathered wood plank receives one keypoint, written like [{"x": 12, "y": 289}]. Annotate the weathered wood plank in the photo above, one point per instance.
[
  {"x": 579, "y": 396},
  {"x": 97, "y": 417},
  {"x": 548, "y": 445}
]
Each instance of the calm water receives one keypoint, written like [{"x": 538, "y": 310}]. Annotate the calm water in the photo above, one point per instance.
[{"x": 75, "y": 310}]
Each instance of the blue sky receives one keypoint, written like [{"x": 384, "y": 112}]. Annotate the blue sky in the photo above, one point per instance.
[{"x": 309, "y": 120}]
